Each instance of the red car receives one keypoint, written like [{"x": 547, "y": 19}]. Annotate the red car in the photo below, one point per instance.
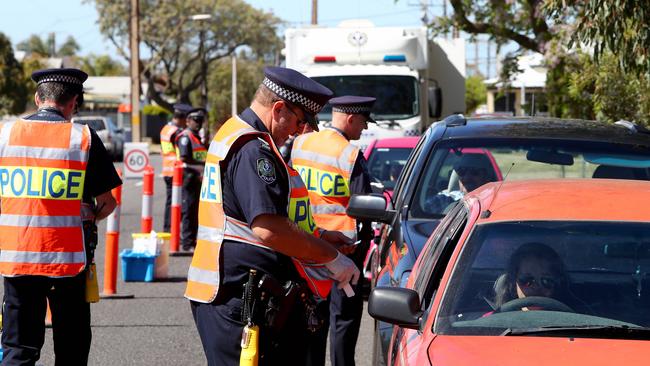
[
  {"x": 386, "y": 158},
  {"x": 529, "y": 272}
]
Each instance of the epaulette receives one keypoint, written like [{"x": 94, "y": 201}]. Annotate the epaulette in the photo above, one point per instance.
[{"x": 265, "y": 145}]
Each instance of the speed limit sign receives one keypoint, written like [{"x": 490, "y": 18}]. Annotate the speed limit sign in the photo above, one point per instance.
[{"x": 136, "y": 158}]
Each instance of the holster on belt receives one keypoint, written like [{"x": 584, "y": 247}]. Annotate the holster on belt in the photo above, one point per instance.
[
  {"x": 90, "y": 242},
  {"x": 277, "y": 300}
]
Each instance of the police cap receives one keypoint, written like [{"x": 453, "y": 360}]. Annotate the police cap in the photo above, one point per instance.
[
  {"x": 296, "y": 88},
  {"x": 352, "y": 104},
  {"x": 70, "y": 77},
  {"x": 182, "y": 108},
  {"x": 197, "y": 114}
]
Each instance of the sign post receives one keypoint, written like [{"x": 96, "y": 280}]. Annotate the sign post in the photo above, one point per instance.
[{"x": 136, "y": 158}]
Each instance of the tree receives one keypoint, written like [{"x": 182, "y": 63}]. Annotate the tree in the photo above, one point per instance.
[
  {"x": 619, "y": 28},
  {"x": 13, "y": 89},
  {"x": 47, "y": 48},
  {"x": 101, "y": 65},
  {"x": 175, "y": 44},
  {"x": 475, "y": 93}
]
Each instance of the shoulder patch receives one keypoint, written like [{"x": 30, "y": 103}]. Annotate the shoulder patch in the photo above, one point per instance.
[
  {"x": 266, "y": 170},
  {"x": 183, "y": 141}
]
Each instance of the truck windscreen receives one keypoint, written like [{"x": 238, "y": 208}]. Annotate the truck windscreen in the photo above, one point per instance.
[{"x": 397, "y": 96}]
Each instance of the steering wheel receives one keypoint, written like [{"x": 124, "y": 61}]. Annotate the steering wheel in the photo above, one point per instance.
[{"x": 545, "y": 303}]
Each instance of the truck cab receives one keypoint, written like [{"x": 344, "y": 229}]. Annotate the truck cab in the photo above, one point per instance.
[{"x": 414, "y": 79}]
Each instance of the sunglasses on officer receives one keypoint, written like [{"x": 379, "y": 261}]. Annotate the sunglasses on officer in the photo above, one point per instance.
[
  {"x": 301, "y": 122},
  {"x": 198, "y": 119}
]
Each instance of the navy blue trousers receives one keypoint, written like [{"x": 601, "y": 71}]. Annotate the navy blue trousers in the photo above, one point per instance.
[{"x": 23, "y": 321}]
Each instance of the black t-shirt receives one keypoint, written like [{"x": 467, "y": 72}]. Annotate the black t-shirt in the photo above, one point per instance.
[
  {"x": 101, "y": 175},
  {"x": 254, "y": 182}
]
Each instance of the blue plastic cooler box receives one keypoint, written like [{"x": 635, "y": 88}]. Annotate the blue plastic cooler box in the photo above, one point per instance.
[{"x": 137, "y": 266}]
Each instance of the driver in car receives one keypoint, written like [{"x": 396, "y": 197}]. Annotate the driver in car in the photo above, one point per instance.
[
  {"x": 535, "y": 272},
  {"x": 470, "y": 172}
]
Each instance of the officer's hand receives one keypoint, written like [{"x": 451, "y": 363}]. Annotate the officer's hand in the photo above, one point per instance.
[
  {"x": 347, "y": 249},
  {"x": 343, "y": 270},
  {"x": 337, "y": 238}
]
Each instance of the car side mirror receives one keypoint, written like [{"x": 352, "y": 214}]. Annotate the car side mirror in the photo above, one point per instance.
[
  {"x": 435, "y": 101},
  {"x": 370, "y": 207},
  {"x": 395, "y": 305}
]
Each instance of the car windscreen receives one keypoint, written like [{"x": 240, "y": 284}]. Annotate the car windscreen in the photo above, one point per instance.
[
  {"x": 539, "y": 277},
  {"x": 95, "y": 124},
  {"x": 385, "y": 164},
  {"x": 397, "y": 96},
  {"x": 456, "y": 167}
]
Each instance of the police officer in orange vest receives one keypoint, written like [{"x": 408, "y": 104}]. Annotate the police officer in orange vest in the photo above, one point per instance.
[
  {"x": 50, "y": 170},
  {"x": 333, "y": 170},
  {"x": 254, "y": 214},
  {"x": 192, "y": 153},
  {"x": 168, "y": 135}
]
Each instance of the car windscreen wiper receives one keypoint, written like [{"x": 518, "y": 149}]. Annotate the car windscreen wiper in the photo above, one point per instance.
[{"x": 585, "y": 331}]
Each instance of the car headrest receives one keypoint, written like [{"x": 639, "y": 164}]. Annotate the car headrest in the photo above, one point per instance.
[{"x": 618, "y": 172}]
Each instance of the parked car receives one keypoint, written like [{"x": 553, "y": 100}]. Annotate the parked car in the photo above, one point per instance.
[
  {"x": 529, "y": 272},
  {"x": 111, "y": 136},
  {"x": 386, "y": 159},
  {"x": 502, "y": 148}
]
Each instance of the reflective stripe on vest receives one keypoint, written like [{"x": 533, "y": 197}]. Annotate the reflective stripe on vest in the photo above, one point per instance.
[
  {"x": 41, "y": 188},
  {"x": 167, "y": 149},
  {"x": 214, "y": 226},
  {"x": 199, "y": 152},
  {"x": 325, "y": 161}
]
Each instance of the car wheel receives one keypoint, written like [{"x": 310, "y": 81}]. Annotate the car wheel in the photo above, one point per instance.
[{"x": 378, "y": 354}]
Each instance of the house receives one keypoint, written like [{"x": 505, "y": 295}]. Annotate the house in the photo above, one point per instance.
[{"x": 525, "y": 93}]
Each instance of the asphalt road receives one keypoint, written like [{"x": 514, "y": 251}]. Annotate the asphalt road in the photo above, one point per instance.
[{"x": 155, "y": 327}]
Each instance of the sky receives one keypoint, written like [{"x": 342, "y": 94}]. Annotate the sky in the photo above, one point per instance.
[{"x": 21, "y": 18}]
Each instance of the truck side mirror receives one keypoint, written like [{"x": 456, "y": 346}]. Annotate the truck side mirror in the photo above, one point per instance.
[{"x": 435, "y": 101}]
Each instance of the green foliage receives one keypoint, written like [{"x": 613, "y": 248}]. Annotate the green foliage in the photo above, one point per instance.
[
  {"x": 475, "y": 93},
  {"x": 156, "y": 110},
  {"x": 619, "y": 28},
  {"x": 182, "y": 48},
  {"x": 13, "y": 89},
  {"x": 249, "y": 77},
  {"x": 47, "y": 48},
  {"x": 102, "y": 65}
]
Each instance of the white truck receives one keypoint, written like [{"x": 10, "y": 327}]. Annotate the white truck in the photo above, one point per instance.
[{"x": 414, "y": 79}]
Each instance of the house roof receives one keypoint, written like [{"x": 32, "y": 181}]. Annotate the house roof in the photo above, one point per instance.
[{"x": 533, "y": 73}]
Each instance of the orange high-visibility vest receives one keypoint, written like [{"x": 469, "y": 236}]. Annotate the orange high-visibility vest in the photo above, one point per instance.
[
  {"x": 41, "y": 184},
  {"x": 214, "y": 225},
  {"x": 199, "y": 152},
  {"x": 167, "y": 149},
  {"x": 325, "y": 161}
]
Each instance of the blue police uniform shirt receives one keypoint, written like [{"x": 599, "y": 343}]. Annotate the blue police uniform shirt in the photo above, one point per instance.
[
  {"x": 247, "y": 194},
  {"x": 101, "y": 176}
]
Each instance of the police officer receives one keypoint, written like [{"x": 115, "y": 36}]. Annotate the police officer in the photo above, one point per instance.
[
  {"x": 254, "y": 214},
  {"x": 192, "y": 153},
  {"x": 334, "y": 169},
  {"x": 168, "y": 135},
  {"x": 48, "y": 168}
]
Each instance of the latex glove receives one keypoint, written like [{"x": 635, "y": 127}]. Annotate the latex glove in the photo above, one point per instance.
[
  {"x": 339, "y": 241},
  {"x": 343, "y": 270}
]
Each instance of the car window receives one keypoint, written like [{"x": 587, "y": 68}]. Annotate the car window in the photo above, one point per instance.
[
  {"x": 408, "y": 169},
  {"x": 447, "y": 232},
  {"x": 460, "y": 166},
  {"x": 386, "y": 164},
  {"x": 532, "y": 274},
  {"x": 95, "y": 124}
]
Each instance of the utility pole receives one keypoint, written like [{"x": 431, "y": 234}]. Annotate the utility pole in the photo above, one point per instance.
[
  {"x": 134, "y": 36},
  {"x": 233, "y": 83},
  {"x": 314, "y": 12}
]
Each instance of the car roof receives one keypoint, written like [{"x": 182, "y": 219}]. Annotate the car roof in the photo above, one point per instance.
[
  {"x": 541, "y": 127},
  {"x": 564, "y": 199},
  {"x": 397, "y": 142}
]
